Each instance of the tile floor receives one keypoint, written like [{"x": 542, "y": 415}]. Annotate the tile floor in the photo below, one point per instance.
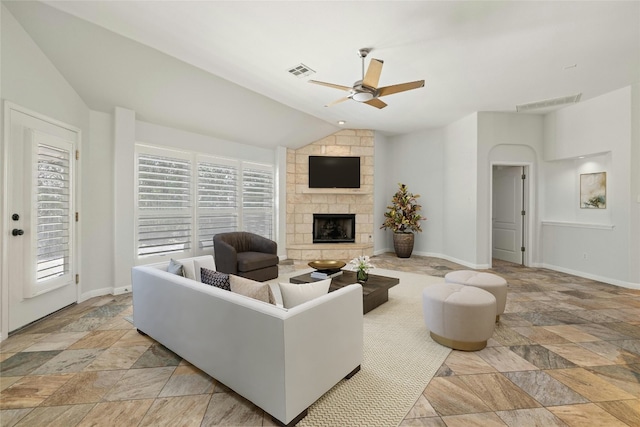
[{"x": 566, "y": 353}]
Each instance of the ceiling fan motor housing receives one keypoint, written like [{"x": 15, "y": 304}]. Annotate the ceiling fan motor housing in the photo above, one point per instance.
[{"x": 362, "y": 93}]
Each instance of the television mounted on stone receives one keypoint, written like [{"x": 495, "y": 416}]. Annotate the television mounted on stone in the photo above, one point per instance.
[{"x": 334, "y": 172}]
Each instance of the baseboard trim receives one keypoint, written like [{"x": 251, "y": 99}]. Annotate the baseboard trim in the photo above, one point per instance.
[
  {"x": 121, "y": 290},
  {"x": 102, "y": 292},
  {"x": 442, "y": 256},
  {"x": 456, "y": 260},
  {"x": 590, "y": 276}
]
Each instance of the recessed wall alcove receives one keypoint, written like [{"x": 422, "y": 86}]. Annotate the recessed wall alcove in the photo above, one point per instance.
[{"x": 303, "y": 202}]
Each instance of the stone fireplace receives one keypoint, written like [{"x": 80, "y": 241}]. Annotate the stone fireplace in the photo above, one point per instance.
[
  {"x": 334, "y": 228},
  {"x": 303, "y": 202}
]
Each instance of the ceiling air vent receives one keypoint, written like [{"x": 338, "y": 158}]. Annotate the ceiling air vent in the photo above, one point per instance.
[
  {"x": 572, "y": 99},
  {"x": 300, "y": 71}
]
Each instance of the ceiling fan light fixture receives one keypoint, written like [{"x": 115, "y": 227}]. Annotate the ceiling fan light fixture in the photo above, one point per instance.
[{"x": 362, "y": 96}]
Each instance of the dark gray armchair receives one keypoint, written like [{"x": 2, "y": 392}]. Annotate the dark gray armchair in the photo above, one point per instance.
[{"x": 246, "y": 254}]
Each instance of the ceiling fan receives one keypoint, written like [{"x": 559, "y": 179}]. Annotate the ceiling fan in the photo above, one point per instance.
[{"x": 367, "y": 90}]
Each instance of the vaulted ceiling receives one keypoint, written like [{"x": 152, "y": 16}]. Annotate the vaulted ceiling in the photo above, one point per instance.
[{"x": 221, "y": 67}]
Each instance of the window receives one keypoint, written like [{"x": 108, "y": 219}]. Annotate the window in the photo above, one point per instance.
[
  {"x": 52, "y": 212},
  {"x": 164, "y": 203},
  {"x": 229, "y": 195},
  {"x": 257, "y": 199},
  {"x": 218, "y": 198}
]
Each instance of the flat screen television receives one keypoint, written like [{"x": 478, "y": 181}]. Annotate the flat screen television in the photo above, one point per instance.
[{"x": 334, "y": 172}]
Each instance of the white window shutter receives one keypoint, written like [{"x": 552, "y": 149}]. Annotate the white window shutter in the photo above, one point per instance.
[
  {"x": 53, "y": 213},
  {"x": 218, "y": 201},
  {"x": 164, "y": 204},
  {"x": 258, "y": 199}
]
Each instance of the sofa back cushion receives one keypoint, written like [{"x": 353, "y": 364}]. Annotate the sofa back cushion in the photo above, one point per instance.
[
  {"x": 296, "y": 294},
  {"x": 190, "y": 266}
]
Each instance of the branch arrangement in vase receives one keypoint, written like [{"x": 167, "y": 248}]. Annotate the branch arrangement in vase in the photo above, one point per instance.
[{"x": 402, "y": 215}]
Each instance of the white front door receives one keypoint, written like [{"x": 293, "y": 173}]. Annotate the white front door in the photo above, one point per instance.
[
  {"x": 40, "y": 210},
  {"x": 507, "y": 213}
]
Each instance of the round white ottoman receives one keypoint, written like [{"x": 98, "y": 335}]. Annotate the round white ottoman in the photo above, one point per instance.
[
  {"x": 458, "y": 316},
  {"x": 488, "y": 281}
]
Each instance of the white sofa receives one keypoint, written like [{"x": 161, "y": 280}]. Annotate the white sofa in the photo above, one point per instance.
[{"x": 281, "y": 360}]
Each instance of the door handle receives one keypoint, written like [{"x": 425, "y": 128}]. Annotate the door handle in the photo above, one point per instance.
[{"x": 17, "y": 232}]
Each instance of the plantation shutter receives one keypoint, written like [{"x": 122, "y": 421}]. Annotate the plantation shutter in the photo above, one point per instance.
[
  {"x": 52, "y": 212},
  {"x": 164, "y": 203},
  {"x": 218, "y": 181},
  {"x": 257, "y": 199}
]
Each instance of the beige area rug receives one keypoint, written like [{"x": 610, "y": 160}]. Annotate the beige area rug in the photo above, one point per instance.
[{"x": 399, "y": 361}]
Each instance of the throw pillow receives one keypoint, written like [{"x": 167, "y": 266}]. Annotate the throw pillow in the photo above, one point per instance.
[
  {"x": 249, "y": 288},
  {"x": 215, "y": 278},
  {"x": 294, "y": 294},
  {"x": 205, "y": 262},
  {"x": 188, "y": 269},
  {"x": 175, "y": 267}
]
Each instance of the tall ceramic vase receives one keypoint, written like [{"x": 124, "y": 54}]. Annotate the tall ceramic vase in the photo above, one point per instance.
[{"x": 403, "y": 244}]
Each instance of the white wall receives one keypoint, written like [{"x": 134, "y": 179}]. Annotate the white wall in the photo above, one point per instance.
[
  {"x": 601, "y": 129},
  {"x": 382, "y": 173},
  {"x": 97, "y": 213},
  {"x": 30, "y": 80},
  {"x": 128, "y": 132},
  {"x": 417, "y": 160},
  {"x": 634, "y": 159},
  {"x": 281, "y": 200},
  {"x": 460, "y": 195}
]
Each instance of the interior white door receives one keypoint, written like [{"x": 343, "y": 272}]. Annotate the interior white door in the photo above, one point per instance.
[
  {"x": 507, "y": 213},
  {"x": 40, "y": 200}
]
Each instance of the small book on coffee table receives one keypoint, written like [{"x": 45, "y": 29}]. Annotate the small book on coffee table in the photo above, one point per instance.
[{"x": 325, "y": 274}]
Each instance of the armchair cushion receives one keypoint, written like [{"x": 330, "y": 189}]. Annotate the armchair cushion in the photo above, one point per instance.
[{"x": 249, "y": 261}]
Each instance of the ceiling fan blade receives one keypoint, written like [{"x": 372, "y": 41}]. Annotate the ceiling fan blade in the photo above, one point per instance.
[
  {"x": 375, "y": 102},
  {"x": 388, "y": 90},
  {"x": 372, "y": 77},
  {"x": 337, "y": 101},
  {"x": 347, "y": 88}
]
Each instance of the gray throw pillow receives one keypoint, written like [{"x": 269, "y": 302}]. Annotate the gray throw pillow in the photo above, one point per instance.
[{"x": 175, "y": 267}]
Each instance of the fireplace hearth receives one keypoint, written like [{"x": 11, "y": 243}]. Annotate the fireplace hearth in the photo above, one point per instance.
[{"x": 334, "y": 228}]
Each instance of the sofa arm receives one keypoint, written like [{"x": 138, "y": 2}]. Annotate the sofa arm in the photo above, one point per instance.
[
  {"x": 323, "y": 345},
  {"x": 225, "y": 255},
  {"x": 262, "y": 244}
]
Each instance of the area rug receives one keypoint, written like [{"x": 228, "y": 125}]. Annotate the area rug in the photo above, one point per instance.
[{"x": 399, "y": 361}]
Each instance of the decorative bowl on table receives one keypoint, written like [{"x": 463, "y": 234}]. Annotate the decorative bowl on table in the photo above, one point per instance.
[{"x": 327, "y": 264}]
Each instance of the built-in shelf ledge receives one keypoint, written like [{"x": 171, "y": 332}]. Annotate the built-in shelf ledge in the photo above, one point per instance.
[
  {"x": 322, "y": 246},
  {"x": 357, "y": 191},
  {"x": 579, "y": 225}
]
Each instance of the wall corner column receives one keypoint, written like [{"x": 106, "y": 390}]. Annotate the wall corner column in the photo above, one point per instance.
[{"x": 124, "y": 134}]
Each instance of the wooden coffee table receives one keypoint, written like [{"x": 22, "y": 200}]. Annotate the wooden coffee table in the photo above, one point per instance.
[{"x": 374, "y": 292}]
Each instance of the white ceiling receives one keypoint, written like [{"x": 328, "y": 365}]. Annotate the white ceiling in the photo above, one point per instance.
[{"x": 473, "y": 55}]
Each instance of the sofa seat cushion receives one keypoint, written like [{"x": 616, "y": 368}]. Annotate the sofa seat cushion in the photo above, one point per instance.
[{"x": 249, "y": 261}]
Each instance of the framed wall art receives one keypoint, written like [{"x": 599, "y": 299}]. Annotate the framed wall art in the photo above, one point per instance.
[{"x": 593, "y": 190}]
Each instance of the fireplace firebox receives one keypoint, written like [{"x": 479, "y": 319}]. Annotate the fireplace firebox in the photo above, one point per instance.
[{"x": 334, "y": 228}]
